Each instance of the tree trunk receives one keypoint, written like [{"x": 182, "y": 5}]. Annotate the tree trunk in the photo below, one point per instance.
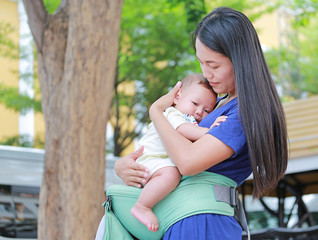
[{"x": 77, "y": 51}]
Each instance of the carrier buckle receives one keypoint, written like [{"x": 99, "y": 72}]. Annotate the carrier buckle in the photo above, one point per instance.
[
  {"x": 234, "y": 201},
  {"x": 107, "y": 204}
]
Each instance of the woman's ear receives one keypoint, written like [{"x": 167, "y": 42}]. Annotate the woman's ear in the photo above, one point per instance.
[{"x": 177, "y": 97}]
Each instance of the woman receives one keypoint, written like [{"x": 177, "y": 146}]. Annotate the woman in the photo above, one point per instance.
[{"x": 253, "y": 139}]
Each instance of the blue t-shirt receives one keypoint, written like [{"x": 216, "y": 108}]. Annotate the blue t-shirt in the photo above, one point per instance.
[
  {"x": 231, "y": 133},
  {"x": 237, "y": 167}
]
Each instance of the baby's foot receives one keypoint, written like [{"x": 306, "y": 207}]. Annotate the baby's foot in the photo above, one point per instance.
[{"x": 145, "y": 216}]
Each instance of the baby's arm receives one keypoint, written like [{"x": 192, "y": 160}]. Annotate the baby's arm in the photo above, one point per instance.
[
  {"x": 194, "y": 132},
  {"x": 191, "y": 131}
]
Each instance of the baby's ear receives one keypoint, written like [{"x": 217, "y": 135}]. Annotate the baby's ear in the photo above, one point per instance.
[{"x": 177, "y": 97}]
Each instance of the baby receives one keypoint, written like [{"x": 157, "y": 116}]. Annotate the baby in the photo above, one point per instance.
[{"x": 193, "y": 102}]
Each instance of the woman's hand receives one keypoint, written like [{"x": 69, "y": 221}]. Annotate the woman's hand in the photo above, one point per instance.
[
  {"x": 132, "y": 173},
  {"x": 165, "y": 101}
]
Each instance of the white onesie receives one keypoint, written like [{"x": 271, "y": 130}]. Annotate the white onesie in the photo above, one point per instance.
[{"x": 155, "y": 156}]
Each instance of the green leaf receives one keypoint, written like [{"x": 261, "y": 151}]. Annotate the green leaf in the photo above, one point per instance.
[
  {"x": 12, "y": 99},
  {"x": 51, "y": 5}
]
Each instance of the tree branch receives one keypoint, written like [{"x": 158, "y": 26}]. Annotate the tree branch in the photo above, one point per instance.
[{"x": 37, "y": 16}]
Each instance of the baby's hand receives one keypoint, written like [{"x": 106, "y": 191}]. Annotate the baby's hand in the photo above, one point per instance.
[{"x": 218, "y": 121}]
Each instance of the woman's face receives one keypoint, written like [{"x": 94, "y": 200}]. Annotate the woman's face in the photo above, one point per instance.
[{"x": 217, "y": 68}]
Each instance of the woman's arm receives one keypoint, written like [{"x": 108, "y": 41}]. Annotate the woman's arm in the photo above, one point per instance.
[{"x": 190, "y": 157}]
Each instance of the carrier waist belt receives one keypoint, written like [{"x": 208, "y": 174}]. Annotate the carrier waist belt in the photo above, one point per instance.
[{"x": 202, "y": 193}]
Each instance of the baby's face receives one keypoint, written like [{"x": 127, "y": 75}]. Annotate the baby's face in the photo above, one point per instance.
[{"x": 195, "y": 100}]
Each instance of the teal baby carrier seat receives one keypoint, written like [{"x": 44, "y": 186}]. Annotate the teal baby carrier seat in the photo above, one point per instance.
[{"x": 202, "y": 193}]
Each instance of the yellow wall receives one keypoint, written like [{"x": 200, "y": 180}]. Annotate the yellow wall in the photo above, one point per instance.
[
  {"x": 39, "y": 126},
  {"x": 9, "y": 120},
  {"x": 267, "y": 29}
]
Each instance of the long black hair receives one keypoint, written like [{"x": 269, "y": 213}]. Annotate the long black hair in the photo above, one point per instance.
[{"x": 230, "y": 32}]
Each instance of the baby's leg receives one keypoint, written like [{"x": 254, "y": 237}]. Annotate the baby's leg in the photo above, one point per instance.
[{"x": 161, "y": 183}]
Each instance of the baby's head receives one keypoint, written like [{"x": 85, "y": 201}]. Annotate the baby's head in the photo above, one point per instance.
[{"x": 196, "y": 97}]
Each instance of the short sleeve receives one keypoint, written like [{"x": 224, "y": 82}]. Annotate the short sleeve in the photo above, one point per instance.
[
  {"x": 190, "y": 119},
  {"x": 175, "y": 117}
]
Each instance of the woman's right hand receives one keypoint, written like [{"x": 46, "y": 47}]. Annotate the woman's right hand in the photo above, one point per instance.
[
  {"x": 165, "y": 101},
  {"x": 132, "y": 173}
]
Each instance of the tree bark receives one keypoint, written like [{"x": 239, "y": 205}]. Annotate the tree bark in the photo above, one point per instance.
[{"x": 77, "y": 52}]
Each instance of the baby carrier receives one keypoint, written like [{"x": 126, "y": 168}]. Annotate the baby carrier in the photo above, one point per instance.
[{"x": 202, "y": 193}]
